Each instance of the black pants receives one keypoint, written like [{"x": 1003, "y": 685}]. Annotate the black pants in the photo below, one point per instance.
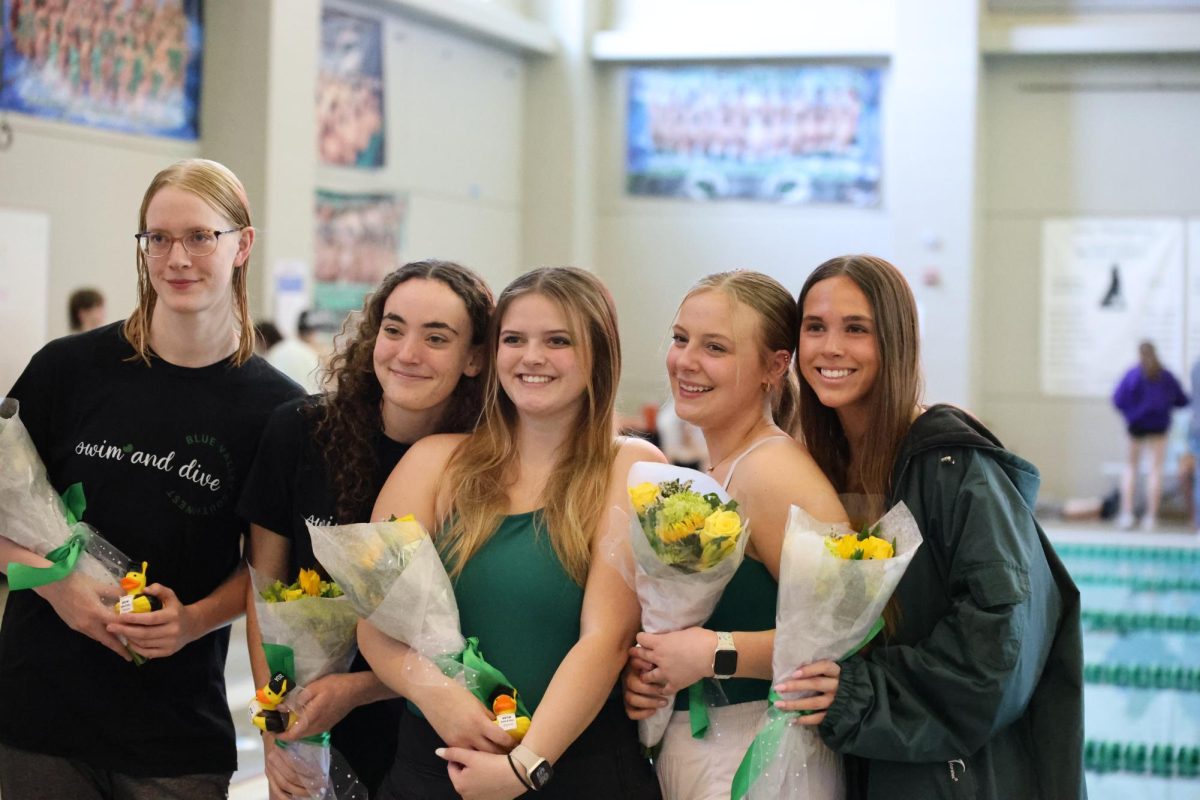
[{"x": 604, "y": 763}]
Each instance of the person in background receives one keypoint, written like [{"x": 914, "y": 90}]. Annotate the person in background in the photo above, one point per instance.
[
  {"x": 1145, "y": 397},
  {"x": 85, "y": 310},
  {"x": 298, "y": 357},
  {"x": 975, "y": 688},
  {"x": 410, "y": 368},
  {"x": 266, "y": 336},
  {"x": 158, "y": 418},
  {"x": 681, "y": 442},
  {"x": 1194, "y": 445}
]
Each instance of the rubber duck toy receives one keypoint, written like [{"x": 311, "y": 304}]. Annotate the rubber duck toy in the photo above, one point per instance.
[
  {"x": 264, "y": 708},
  {"x": 135, "y": 601},
  {"x": 504, "y": 706}
]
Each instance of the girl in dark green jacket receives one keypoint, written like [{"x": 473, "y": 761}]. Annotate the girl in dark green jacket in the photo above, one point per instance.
[{"x": 976, "y": 689}]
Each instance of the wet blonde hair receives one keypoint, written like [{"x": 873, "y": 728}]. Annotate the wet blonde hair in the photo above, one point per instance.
[{"x": 217, "y": 186}]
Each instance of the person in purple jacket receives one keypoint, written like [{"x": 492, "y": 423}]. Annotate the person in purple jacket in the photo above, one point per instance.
[{"x": 1145, "y": 398}]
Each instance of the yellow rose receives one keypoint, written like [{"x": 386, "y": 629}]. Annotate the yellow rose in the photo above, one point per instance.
[
  {"x": 642, "y": 496},
  {"x": 720, "y": 524},
  {"x": 843, "y": 547},
  {"x": 875, "y": 548},
  {"x": 310, "y": 582}
]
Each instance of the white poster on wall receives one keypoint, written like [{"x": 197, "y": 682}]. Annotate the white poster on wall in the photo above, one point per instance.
[
  {"x": 1108, "y": 284},
  {"x": 24, "y": 271}
]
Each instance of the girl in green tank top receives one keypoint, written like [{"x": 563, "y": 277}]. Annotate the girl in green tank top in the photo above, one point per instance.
[
  {"x": 730, "y": 368},
  {"x": 520, "y": 520}
]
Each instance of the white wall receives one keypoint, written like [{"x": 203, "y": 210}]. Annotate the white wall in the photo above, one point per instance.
[
  {"x": 1059, "y": 141},
  {"x": 91, "y": 184},
  {"x": 650, "y": 250}
]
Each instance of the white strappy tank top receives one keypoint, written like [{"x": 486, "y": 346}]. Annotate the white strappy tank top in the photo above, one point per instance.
[{"x": 753, "y": 446}]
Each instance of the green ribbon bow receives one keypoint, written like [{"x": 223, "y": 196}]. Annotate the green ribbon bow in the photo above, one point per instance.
[
  {"x": 485, "y": 677},
  {"x": 62, "y": 558},
  {"x": 281, "y": 658},
  {"x": 768, "y": 741}
]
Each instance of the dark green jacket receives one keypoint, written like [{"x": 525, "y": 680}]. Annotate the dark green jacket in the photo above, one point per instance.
[{"x": 978, "y": 693}]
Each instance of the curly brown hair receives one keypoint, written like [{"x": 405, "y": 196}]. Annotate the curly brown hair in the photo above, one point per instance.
[{"x": 348, "y": 417}]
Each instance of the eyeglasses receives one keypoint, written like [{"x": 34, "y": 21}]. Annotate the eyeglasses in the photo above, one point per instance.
[{"x": 156, "y": 244}]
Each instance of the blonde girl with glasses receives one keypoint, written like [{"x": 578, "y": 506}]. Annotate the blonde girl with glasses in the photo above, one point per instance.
[{"x": 157, "y": 417}]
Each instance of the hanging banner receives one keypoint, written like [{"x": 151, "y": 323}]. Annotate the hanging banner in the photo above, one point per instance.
[
  {"x": 350, "y": 120},
  {"x": 1108, "y": 284},
  {"x": 358, "y": 242},
  {"x": 125, "y": 65},
  {"x": 780, "y": 134}
]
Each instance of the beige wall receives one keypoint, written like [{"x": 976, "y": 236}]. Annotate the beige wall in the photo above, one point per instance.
[{"x": 1069, "y": 152}]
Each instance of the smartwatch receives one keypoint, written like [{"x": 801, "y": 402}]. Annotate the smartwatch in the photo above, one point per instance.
[
  {"x": 725, "y": 656},
  {"x": 537, "y": 769}
]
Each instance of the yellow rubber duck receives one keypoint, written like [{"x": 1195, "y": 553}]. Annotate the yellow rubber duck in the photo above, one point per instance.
[
  {"x": 504, "y": 706},
  {"x": 135, "y": 600},
  {"x": 267, "y": 716}
]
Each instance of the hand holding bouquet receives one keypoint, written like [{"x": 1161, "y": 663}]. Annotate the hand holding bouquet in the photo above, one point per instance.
[
  {"x": 394, "y": 578},
  {"x": 33, "y": 516},
  {"x": 833, "y": 586},
  {"x": 308, "y": 631},
  {"x": 687, "y": 540}
]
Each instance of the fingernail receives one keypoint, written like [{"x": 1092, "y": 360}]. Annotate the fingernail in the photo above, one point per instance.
[
  {"x": 440, "y": 752},
  {"x": 662, "y": 703}
]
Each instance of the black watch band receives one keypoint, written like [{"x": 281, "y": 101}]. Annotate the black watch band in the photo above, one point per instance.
[{"x": 517, "y": 772}]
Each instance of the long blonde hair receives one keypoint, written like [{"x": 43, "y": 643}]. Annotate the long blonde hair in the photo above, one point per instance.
[
  {"x": 777, "y": 326},
  {"x": 575, "y": 494},
  {"x": 216, "y": 185}
]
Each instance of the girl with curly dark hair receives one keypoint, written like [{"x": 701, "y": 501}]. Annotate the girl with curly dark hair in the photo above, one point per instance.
[{"x": 409, "y": 366}]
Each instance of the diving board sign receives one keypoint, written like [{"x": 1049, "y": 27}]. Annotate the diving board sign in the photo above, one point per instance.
[{"x": 1108, "y": 284}]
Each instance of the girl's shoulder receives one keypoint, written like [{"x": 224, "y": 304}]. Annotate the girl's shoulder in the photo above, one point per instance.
[
  {"x": 436, "y": 448},
  {"x": 631, "y": 449},
  {"x": 783, "y": 470}
]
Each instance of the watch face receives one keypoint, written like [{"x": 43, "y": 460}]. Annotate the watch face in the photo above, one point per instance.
[
  {"x": 725, "y": 662},
  {"x": 541, "y": 775}
]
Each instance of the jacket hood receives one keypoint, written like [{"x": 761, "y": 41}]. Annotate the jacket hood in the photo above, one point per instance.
[{"x": 947, "y": 426}]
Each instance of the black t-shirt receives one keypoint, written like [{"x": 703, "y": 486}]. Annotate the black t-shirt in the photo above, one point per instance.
[
  {"x": 162, "y": 452},
  {"x": 289, "y": 486}
]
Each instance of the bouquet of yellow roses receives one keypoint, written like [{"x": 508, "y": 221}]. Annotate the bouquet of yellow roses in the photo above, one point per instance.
[
  {"x": 308, "y": 631},
  {"x": 833, "y": 585},
  {"x": 687, "y": 539}
]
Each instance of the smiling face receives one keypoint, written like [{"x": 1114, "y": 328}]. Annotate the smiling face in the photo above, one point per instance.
[
  {"x": 422, "y": 350},
  {"x": 188, "y": 284},
  {"x": 540, "y": 362},
  {"x": 715, "y": 362},
  {"x": 838, "y": 354}
]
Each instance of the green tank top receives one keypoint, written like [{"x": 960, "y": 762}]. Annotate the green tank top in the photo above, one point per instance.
[
  {"x": 747, "y": 604},
  {"x": 516, "y": 597}
]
